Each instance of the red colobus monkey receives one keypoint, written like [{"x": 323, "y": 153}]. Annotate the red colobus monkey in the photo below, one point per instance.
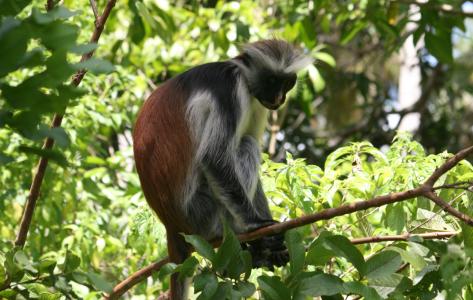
[{"x": 197, "y": 152}]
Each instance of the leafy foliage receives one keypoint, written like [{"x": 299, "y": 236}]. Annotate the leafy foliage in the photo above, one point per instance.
[{"x": 92, "y": 228}]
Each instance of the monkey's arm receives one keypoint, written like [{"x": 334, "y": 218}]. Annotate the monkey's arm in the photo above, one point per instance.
[{"x": 234, "y": 180}]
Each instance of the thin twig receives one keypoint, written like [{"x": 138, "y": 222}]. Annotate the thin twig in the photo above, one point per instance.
[
  {"x": 449, "y": 209},
  {"x": 464, "y": 185},
  {"x": 403, "y": 237},
  {"x": 49, "y": 142},
  {"x": 436, "y": 214},
  {"x": 135, "y": 278},
  {"x": 93, "y": 4}
]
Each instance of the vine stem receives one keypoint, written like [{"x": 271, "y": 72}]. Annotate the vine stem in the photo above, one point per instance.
[
  {"x": 38, "y": 177},
  {"x": 426, "y": 189}
]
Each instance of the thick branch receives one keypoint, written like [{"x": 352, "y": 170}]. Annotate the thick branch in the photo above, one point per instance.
[
  {"x": 331, "y": 213},
  {"x": 49, "y": 142}
]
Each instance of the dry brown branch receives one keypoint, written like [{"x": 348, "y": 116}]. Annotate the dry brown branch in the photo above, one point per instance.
[
  {"x": 49, "y": 142},
  {"x": 403, "y": 237},
  {"x": 49, "y": 5},
  {"x": 465, "y": 185},
  {"x": 135, "y": 278},
  {"x": 426, "y": 190}
]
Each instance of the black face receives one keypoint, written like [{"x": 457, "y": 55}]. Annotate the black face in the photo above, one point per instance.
[{"x": 272, "y": 88}]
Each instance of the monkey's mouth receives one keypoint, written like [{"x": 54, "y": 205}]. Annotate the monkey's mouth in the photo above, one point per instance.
[
  {"x": 272, "y": 106},
  {"x": 276, "y": 104}
]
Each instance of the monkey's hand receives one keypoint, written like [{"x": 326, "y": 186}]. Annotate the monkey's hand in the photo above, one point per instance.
[{"x": 268, "y": 251}]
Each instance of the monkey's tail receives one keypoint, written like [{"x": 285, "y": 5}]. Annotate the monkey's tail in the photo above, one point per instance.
[{"x": 178, "y": 251}]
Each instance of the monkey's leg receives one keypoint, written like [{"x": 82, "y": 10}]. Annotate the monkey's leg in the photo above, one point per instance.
[
  {"x": 178, "y": 251},
  {"x": 267, "y": 251}
]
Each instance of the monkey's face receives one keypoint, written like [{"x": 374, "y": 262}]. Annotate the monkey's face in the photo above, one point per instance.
[{"x": 272, "y": 88}]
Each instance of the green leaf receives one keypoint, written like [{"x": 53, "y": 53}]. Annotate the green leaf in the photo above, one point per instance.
[
  {"x": 344, "y": 248},
  {"x": 71, "y": 262},
  {"x": 439, "y": 45},
  {"x": 207, "y": 284},
  {"x": 315, "y": 77},
  {"x": 96, "y": 65},
  {"x": 321, "y": 285},
  {"x": 296, "y": 250},
  {"x": 348, "y": 35},
  {"x": 58, "y": 36},
  {"x": 58, "y": 12},
  {"x": 23, "y": 262},
  {"x": 52, "y": 155},
  {"x": 187, "y": 268},
  {"x": 201, "y": 246},
  {"x": 8, "y": 293},
  {"x": 245, "y": 259},
  {"x": 58, "y": 134},
  {"x": 228, "y": 251},
  {"x": 47, "y": 265},
  {"x": 326, "y": 58},
  {"x": 395, "y": 217},
  {"x": 273, "y": 288},
  {"x": 166, "y": 270},
  {"x": 5, "y": 159},
  {"x": 224, "y": 290},
  {"x": 359, "y": 289},
  {"x": 84, "y": 48},
  {"x": 12, "y": 7},
  {"x": 318, "y": 254},
  {"x": 382, "y": 264},
  {"x": 13, "y": 41},
  {"x": 246, "y": 289},
  {"x": 99, "y": 282}
]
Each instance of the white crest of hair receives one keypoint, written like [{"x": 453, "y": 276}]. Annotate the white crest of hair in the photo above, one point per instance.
[{"x": 277, "y": 55}]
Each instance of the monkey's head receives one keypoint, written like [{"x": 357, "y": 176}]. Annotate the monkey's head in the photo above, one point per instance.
[{"x": 270, "y": 68}]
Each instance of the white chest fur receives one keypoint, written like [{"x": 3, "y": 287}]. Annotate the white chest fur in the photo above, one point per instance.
[{"x": 253, "y": 120}]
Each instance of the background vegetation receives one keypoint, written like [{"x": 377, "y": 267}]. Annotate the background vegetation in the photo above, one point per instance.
[{"x": 91, "y": 227}]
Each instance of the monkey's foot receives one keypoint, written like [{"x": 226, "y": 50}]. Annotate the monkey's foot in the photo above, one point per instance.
[{"x": 268, "y": 252}]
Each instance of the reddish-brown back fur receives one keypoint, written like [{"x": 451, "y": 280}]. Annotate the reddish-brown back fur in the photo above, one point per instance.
[{"x": 163, "y": 153}]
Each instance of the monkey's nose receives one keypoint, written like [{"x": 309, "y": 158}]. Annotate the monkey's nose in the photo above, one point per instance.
[{"x": 281, "y": 99}]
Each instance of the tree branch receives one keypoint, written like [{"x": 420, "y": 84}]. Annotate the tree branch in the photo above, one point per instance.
[
  {"x": 49, "y": 142},
  {"x": 426, "y": 190},
  {"x": 93, "y": 4},
  {"x": 403, "y": 237},
  {"x": 135, "y": 278},
  {"x": 448, "y": 208}
]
